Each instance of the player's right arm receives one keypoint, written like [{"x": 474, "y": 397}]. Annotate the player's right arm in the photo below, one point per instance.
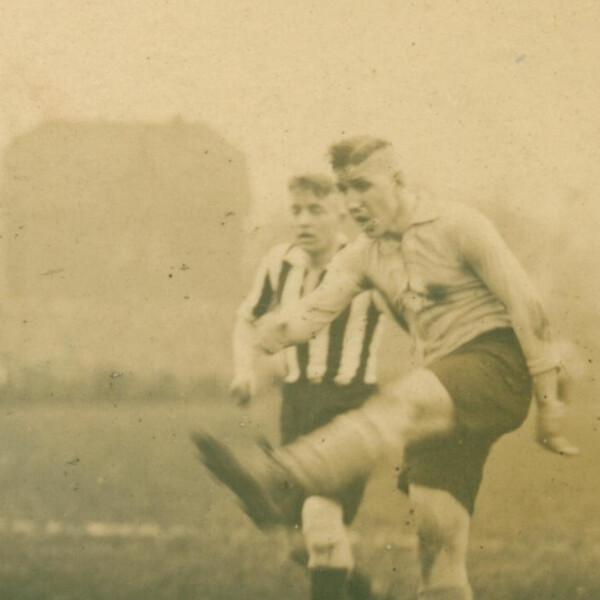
[
  {"x": 302, "y": 320},
  {"x": 485, "y": 252},
  {"x": 257, "y": 303}
]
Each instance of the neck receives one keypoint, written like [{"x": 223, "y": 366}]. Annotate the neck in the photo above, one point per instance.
[
  {"x": 407, "y": 205},
  {"x": 320, "y": 258}
]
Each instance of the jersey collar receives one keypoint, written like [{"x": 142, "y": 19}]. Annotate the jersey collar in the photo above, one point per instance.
[
  {"x": 296, "y": 256},
  {"x": 425, "y": 212}
]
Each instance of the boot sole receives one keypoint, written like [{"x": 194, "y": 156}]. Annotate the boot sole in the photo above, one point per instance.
[{"x": 223, "y": 464}]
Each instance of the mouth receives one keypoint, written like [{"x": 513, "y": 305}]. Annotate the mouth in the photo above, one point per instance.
[
  {"x": 363, "y": 221},
  {"x": 305, "y": 236}
]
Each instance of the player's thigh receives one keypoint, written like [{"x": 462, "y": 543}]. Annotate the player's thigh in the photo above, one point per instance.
[{"x": 417, "y": 405}]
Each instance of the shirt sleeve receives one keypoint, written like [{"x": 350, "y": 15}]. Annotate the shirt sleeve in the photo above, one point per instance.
[
  {"x": 345, "y": 279},
  {"x": 484, "y": 250},
  {"x": 262, "y": 295},
  {"x": 258, "y": 302}
]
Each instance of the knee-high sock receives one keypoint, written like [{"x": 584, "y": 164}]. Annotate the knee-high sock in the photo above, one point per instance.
[
  {"x": 328, "y": 584},
  {"x": 348, "y": 447}
]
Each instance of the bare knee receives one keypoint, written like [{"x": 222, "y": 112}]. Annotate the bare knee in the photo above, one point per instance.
[
  {"x": 326, "y": 536},
  {"x": 439, "y": 534},
  {"x": 442, "y": 522},
  {"x": 421, "y": 405},
  {"x": 443, "y": 528}
]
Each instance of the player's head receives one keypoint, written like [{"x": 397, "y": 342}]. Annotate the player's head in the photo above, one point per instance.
[
  {"x": 316, "y": 212},
  {"x": 367, "y": 174}
]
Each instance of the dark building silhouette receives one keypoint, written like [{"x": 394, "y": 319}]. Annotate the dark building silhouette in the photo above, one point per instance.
[{"x": 123, "y": 242}]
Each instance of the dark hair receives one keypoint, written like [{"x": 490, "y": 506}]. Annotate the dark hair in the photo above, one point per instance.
[
  {"x": 319, "y": 185},
  {"x": 355, "y": 150}
]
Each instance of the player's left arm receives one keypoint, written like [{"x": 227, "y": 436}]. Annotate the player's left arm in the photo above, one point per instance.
[{"x": 484, "y": 250}]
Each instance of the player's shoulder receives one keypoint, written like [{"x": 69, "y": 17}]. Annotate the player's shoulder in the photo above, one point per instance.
[
  {"x": 360, "y": 244},
  {"x": 279, "y": 250},
  {"x": 353, "y": 253},
  {"x": 462, "y": 218},
  {"x": 278, "y": 254},
  {"x": 456, "y": 211}
]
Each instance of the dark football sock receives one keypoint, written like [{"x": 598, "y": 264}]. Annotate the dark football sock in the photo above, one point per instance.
[{"x": 328, "y": 584}]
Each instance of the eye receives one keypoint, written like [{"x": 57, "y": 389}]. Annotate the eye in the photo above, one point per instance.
[
  {"x": 315, "y": 209},
  {"x": 360, "y": 185},
  {"x": 342, "y": 187},
  {"x": 296, "y": 210}
]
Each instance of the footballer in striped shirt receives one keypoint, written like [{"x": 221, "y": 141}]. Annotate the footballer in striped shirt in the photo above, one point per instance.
[{"x": 328, "y": 375}]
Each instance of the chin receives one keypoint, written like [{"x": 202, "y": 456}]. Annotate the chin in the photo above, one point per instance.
[{"x": 306, "y": 244}]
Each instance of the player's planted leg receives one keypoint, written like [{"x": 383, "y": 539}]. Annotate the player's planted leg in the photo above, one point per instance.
[
  {"x": 443, "y": 532},
  {"x": 329, "y": 548}
]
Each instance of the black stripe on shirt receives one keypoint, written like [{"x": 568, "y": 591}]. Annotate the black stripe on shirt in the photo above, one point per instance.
[
  {"x": 285, "y": 270},
  {"x": 264, "y": 300},
  {"x": 302, "y": 350},
  {"x": 372, "y": 320},
  {"x": 302, "y": 356},
  {"x": 336, "y": 344}
]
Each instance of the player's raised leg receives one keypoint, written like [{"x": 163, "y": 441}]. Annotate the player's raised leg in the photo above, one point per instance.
[
  {"x": 322, "y": 462},
  {"x": 414, "y": 407}
]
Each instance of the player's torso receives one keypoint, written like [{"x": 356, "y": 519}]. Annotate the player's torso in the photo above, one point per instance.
[
  {"x": 343, "y": 353},
  {"x": 429, "y": 286}
]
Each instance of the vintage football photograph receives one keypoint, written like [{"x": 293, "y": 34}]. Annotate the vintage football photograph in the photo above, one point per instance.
[{"x": 299, "y": 300}]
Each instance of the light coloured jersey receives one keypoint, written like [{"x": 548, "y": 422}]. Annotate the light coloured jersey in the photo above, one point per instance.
[
  {"x": 448, "y": 279},
  {"x": 344, "y": 351}
]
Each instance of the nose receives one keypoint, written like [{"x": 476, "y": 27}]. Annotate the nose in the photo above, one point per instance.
[
  {"x": 352, "y": 200},
  {"x": 303, "y": 218}
]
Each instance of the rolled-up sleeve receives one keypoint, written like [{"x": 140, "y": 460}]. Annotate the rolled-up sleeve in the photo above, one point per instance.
[{"x": 484, "y": 250}]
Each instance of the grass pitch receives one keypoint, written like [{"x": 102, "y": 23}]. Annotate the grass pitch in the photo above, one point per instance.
[{"x": 108, "y": 501}]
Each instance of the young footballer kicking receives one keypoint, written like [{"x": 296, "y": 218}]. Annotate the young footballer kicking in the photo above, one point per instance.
[
  {"x": 485, "y": 346},
  {"x": 325, "y": 376}
]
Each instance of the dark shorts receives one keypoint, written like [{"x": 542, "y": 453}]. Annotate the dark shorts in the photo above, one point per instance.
[
  {"x": 308, "y": 406},
  {"x": 489, "y": 383}
]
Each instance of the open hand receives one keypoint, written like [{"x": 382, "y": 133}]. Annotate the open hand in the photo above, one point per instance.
[
  {"x": 550, "y": 426},
  {"x": 243, "y": 388}
]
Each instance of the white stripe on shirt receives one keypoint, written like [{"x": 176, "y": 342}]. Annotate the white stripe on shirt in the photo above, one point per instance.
[
  {"x": 353, "y": 339},
  {"x": 317, "y": 356},
  {"x": 292, "y": 290}
]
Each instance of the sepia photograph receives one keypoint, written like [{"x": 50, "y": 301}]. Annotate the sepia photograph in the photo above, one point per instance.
[{"x": 298, "y": 300}]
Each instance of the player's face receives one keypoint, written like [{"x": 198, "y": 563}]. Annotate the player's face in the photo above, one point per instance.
[
  {"x": 316, "y": 220},
  {"x": 372, "y": 196}
]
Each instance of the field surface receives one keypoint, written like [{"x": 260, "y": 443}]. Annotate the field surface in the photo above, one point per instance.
[{"x": 108, "y": 502}]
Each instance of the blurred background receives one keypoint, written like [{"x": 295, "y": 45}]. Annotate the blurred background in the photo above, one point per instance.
[{"x": 145, "y": 149}]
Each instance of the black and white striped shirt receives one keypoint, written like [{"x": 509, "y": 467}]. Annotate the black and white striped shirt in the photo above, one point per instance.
[{"x": 344, "y": 352}]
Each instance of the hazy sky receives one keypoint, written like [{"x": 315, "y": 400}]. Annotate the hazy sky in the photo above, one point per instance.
[{"x": 481, "y": 98}]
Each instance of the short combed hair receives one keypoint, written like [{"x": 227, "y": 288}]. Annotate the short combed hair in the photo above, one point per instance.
[
  {"x": 355, "y": 150},
  {"x": 316, "y": 183}
]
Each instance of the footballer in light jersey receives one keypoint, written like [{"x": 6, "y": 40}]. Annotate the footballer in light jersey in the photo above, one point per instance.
[{"x": 485, "y": 348}]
